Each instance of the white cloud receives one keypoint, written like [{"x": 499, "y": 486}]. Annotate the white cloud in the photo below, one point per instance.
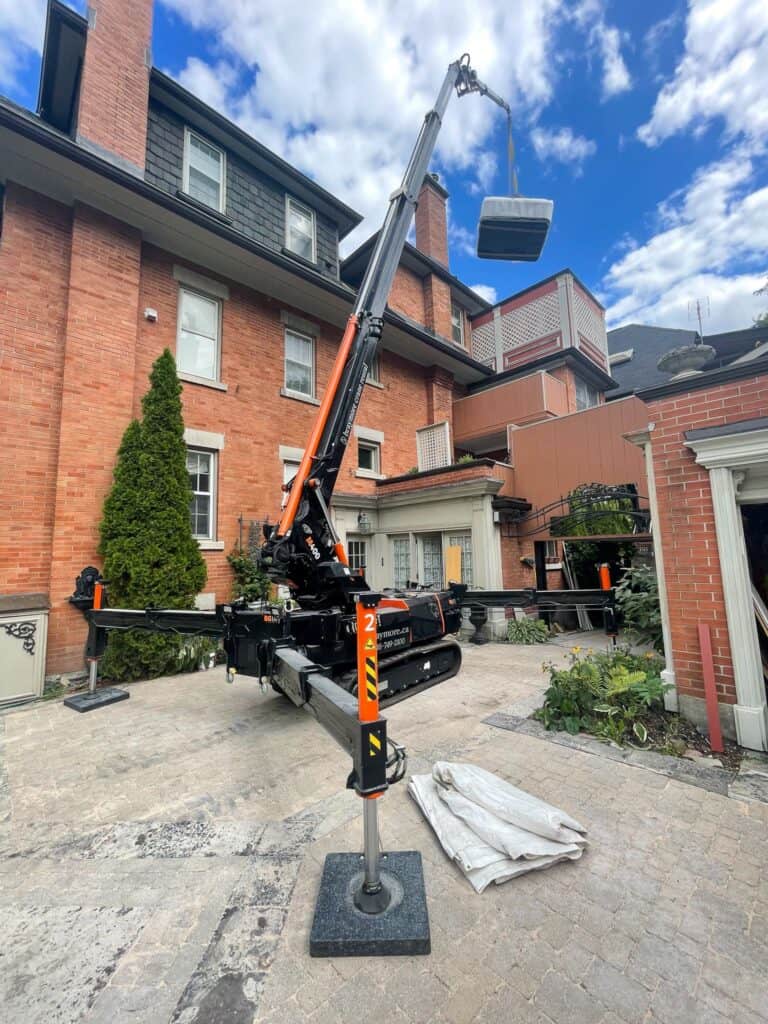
[
  {"x": 485, "y": 291},
  {"x": 21, "y": 38},
  {"x": 712, "y": 241},
  {"x": 723, "y": 73},
  {"x": 562, "y": 145},
  {"x": 606, "y": 39},
  {"x": 460, "y": 239},
  {"x": 342, "y": 94}
]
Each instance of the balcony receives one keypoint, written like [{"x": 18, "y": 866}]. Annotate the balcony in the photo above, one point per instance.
[
  {"x": 480, "y": 420},
  {"x": 551, "y": 317}
]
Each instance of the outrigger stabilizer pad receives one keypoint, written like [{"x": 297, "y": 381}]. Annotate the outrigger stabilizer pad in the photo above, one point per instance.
[
  {"x": 341, "y": 929},
  {"x": 98, "y": 699},
  {"x": 513, "y": 228}
]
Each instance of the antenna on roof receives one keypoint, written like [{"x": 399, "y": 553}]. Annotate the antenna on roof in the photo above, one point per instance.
[{"x": 699, "y": 308}]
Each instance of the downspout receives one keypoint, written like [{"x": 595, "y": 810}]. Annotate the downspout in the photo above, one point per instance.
[{"x": 642, "y": 438}]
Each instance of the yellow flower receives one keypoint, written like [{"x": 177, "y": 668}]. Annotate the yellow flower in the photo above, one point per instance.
[
  {"x": 575, "y": 650},
  {"x": 650, "y": 654}
]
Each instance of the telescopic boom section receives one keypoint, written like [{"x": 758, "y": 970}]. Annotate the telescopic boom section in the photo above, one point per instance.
[{"x": 303, "y": 550}]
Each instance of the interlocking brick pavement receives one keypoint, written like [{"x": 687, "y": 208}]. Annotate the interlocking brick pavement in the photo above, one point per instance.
[{"x": 159, "y": 861}]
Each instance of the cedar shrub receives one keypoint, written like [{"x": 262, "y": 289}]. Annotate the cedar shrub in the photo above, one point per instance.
[{"x": 150, "y": 557}]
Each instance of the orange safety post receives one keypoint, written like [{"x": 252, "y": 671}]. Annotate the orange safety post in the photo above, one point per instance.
[
  {"x": 367, "y": 659},
  {"x": 710, "y": 689},
  {"x": 604, "y": 573}
]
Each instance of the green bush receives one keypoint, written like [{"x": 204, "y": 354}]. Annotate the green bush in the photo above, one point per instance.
[
  {"x": 150, "y": 557},
  {"x": 251, "y": 582},
  {"x": 637, "y": 598},
  {"x": 605, "y": 693},
  {"x": 527, "y": 631}
]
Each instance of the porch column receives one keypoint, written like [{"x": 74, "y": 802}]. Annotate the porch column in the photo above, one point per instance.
[{"x": 750, "y": 711}]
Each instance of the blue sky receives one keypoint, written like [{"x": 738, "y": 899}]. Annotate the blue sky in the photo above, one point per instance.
[{"x": 646, "y": 123}]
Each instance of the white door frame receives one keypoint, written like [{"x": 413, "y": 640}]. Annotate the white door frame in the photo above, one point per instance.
[{"x": 728, "y": 453}]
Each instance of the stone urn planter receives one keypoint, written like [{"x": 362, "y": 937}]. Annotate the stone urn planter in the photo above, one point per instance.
[{"x": 688, "y": 359}]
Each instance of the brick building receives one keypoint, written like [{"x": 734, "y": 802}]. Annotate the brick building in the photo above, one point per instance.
[
  {"x": 135, "y": 217},
  {"x": 706, "y": 447}
]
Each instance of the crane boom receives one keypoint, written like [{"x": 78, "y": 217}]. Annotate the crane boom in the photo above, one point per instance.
[{"x": 303, "y": 550}]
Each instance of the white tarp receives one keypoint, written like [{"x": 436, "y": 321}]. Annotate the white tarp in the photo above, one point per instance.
[{"x": 491, "y": 829}]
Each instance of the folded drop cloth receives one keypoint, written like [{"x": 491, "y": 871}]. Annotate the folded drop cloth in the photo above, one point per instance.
[{"x": 498, "y": 831}]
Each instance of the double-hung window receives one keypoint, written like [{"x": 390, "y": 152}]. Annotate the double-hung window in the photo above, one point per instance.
[
  {"x": 357, "y": 555},
  {"x": 586, "y": 395},
  {"x": 199, "y": 332},
  {"x": 299, "y": 363},
  {"x": 369, "y": 457},
  {"x": 201, "y": 467},
  {"x": 457, "y": 324},
  {"x": 374, "y": 370},
  {"x": 204, "y": 172},
  {"x": 300, "y": 229}
]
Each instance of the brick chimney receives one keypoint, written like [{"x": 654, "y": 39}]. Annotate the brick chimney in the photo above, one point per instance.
[
  {"x": 431, "y": 220},
  {"x": 114, "y": 89}
]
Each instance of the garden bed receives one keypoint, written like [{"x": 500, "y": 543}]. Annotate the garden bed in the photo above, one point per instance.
[{"x": 618, "y": 697}]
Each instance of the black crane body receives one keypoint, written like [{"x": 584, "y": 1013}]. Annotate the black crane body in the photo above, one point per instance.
[{"x": 309, "y": 652}]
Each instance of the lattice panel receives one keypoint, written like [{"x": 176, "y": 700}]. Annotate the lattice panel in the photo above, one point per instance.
[
  {"x": 536, "y": 319},
  {"x": 484, "y": 344},
  {"x": 433, "y": 445},
  {"x": 588, "y": 322}
]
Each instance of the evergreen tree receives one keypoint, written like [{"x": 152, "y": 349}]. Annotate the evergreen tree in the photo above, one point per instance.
[{"x": 151, "y": 558}]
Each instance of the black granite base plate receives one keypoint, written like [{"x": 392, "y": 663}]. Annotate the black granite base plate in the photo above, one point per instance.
[
  {"x": 340, "y": 929},
  {"x": 90, "y": 701}
]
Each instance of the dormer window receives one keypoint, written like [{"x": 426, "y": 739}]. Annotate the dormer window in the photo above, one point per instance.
[
  {"x": 300, "y": 230},
  {"x": 204, "y": 171},
  {"x": 457, "y": 324}
]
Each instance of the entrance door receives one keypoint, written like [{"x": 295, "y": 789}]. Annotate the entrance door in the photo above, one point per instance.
[{"x": 431, "y": 560}]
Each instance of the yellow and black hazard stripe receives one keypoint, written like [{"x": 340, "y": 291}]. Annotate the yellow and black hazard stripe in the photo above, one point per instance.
[
  {"x": 371, "y": 679},
  {"x": 374, "y": 744}
]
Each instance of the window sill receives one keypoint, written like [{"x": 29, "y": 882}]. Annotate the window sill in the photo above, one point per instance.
[
  {"x": 368, "y": 474},
  {"x": 552, "y": 566},
  {"x": 299, "y": 259},
  {"x": 297, "y": 396},
  {"x": 210, "y": 545},
  {"x": 375, "y": 384},
  {"x": 203, "y": 207},
  {"x": 206, "y": 382}
]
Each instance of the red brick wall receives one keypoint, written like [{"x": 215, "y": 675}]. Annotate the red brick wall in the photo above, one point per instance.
[
  {"x": 97, "y": 405},
  {"x": 253, "y": 415},
  {"x": 437, "y": 306},
  {"x": 115, "y": 81},
  {"x": 34, "y": 278},
  {"x": 407, "y": 295},
  {"x": 691, "y": 561},
  {"x": 439, "y": 396}
]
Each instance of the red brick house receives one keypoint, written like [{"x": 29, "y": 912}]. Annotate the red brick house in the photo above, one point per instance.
[
  {"x": 135, "y": 217},
  {"x": 706, "y": 447}
]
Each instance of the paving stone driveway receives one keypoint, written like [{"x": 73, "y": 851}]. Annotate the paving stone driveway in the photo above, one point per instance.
[{"x": 159, "y": 861}]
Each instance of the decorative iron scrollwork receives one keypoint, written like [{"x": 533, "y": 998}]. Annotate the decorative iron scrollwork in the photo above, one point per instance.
[{"x": 24, "y": 631}]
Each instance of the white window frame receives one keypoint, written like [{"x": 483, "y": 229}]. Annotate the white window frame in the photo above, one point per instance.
[
  {"x": 307, "y": 211},
  {"x": 291, "y": 392},
  {"x": 591, "y": 388},
  {"x": 375, "y": 447},
  {"x": 408, "y": 540},
  {"x": 188, "y": 133},
  {"x": 350, "y": 557},
  {"x": 185, "y": 374},
  {"x": 458, "y": 322},
  {"x": 374, "y": 371},
  {"x": 213, "y": 475}
]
